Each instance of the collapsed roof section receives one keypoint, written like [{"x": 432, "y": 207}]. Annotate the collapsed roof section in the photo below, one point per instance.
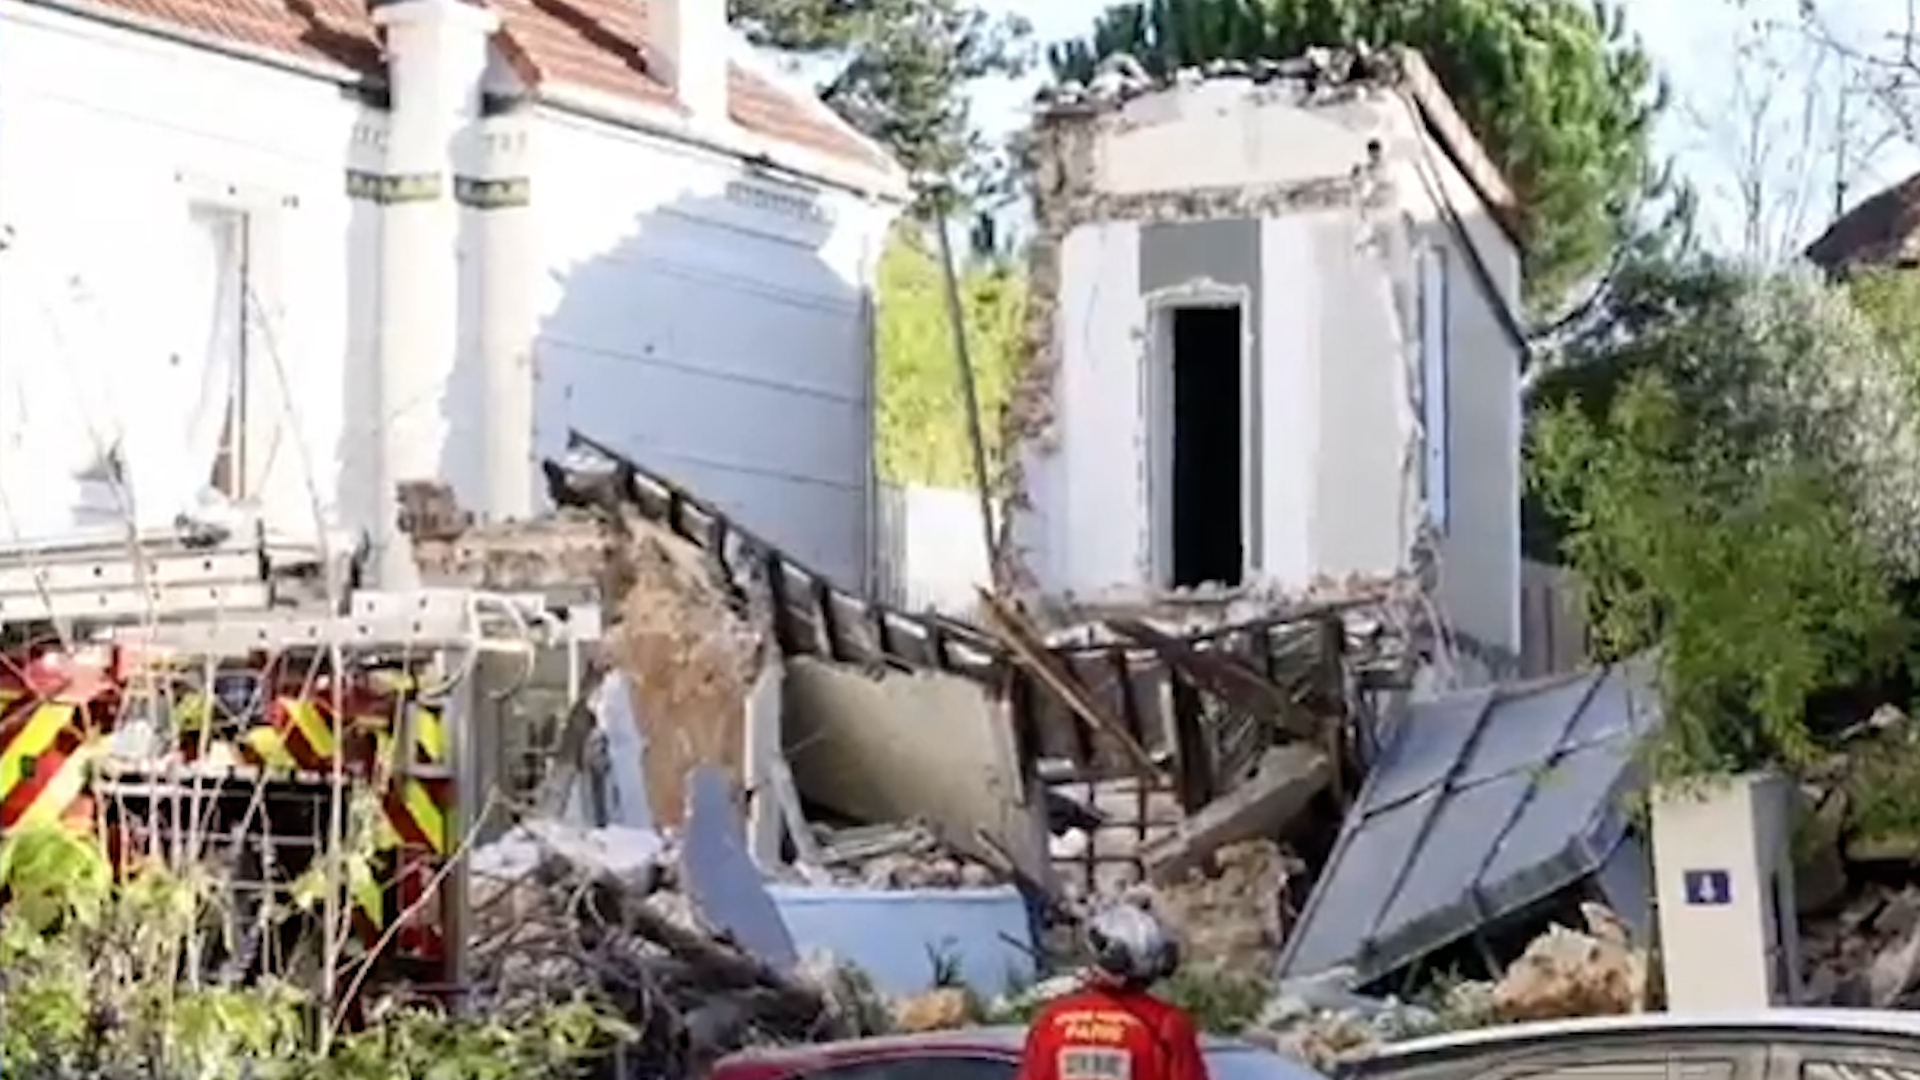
[
  {"x": 1112, "y": 703},
  {"x": 1483, "y": 804}
]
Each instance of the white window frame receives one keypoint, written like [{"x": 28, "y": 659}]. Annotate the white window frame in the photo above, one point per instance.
[
  {"x": 1156, "y": 397},
  {"x": 260, "y": 458},
  {"x": 1436, "y": 383},
  {"x": 231, "y": 460}
]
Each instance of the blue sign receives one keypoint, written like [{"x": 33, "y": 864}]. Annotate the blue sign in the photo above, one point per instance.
[{"x": 1708, "y": 888}]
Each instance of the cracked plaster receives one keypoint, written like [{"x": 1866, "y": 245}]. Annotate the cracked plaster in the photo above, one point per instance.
[{"x": 1064, "y": 147}]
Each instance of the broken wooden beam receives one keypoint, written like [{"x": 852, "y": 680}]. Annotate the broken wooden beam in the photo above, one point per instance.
[
  {"x": 1224, "y": 675},
  {"x": 1027, "y": 647}
]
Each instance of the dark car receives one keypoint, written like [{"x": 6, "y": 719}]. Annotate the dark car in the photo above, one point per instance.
[
  {"x": 991, "y": 1053},
  {"x": 1768, "y": 1044}
]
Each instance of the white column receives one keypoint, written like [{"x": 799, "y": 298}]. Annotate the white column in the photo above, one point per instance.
[
  {"x": 436, "y": 56},
  {"x": 509, "y": 319}
]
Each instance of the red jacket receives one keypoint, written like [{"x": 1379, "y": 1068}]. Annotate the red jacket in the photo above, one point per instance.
[{"x": 1101, "y": 1033}]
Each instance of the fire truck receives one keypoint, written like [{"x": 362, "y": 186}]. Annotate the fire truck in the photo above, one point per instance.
[{"x": 202, "y": 700}]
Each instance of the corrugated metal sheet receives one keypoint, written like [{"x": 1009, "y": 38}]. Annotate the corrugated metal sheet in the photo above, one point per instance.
[{"x": 1484, "y": 802}]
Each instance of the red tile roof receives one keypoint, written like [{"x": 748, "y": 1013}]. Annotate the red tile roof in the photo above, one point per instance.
[{"x": 598, "y": 45}]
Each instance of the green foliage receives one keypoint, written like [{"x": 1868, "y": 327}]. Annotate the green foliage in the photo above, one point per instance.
[
  {"x": 922, "y": 421},
  {"x": 1749, "y": 576},
  {"x": 901, "y": 71},
  {"x": 547, "y": 1044},
  {"x": 100, "y": 981},
  {"x": 1890, "y": 301},
  {"x": 1220, "y": 1001},
  {"x": 1564, "y": 99},
  {"x": 1731, "y": 465}
]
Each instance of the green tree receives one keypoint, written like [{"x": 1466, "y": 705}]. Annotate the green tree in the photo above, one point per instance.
[
  {"x": 1731, "y": 462},
  {"x": 1563, "y": 97},
  {"x": 922, "y": 424},
  {"x": 900, "y": 71}
]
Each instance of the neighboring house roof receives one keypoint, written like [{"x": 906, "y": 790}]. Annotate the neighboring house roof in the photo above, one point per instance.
[
  {"x": 597, "y": 45},
  {"x": 1882, "y": 231}
]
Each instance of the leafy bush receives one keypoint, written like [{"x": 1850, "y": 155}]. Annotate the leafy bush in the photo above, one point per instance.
[
  {"x": 103, "y": 980},
  {"x": 1739, "y": 496}
]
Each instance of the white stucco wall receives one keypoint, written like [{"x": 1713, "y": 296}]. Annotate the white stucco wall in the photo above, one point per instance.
[
  {"x": 107, "y": 138},
  {"x": 702, "y": 319},
  {"x": 1339, "y": 317},
  {"x": 713, "y": 325}
]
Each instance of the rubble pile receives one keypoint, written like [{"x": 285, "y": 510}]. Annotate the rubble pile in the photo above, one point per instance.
[
  {"x": 1563, "y": 973},
  {"x": 1855, "y": 852},
  {"x": 1234, "y": 919},
  {"x": 561, "y": 912},
  {"x": 690, "y": 658},
  {"x": 907, "y": 856},
  {"x": 1868, "y": 953}
]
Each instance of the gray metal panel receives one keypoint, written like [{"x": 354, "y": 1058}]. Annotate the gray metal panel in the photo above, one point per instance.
[
  {"x": 1347, "y": 903},
  {"x": 1422, "y": 754},
  {"x": 726, "y": 888},
  {"x": 1462, "y": 836},
  {"x": 1225, "y": 252},
  {"x": 1532, "y": 726},
  {"x": 1482, "y": 806}
]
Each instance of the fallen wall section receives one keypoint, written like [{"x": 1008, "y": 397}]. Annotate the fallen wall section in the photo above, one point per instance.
[{"x": 899, "y": 746}]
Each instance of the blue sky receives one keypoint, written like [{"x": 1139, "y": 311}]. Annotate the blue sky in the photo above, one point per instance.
[{"x": 1764, "y": 118}]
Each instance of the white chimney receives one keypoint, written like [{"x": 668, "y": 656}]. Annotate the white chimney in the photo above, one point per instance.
[
  {"x": 691, "y": 38},
  {"x": 436, "y": 55}
]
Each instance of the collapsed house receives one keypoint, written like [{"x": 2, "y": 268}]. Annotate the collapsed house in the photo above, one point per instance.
[
  {"x": 1274, "y": 344},
  {"x": 1146, "y": 747},
  {"x": 899, "y": 751}
]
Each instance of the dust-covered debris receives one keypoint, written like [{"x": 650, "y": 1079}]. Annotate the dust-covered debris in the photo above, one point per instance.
[
  {"x": 898, "y": 857},
  {"x": 939, "y": 1009},
  {"x": 689, "y": 655},
  {"x": 561, "y": 911},
  {"x": 1564, "y": 973},
  {"x": 1235, "y": 917},
  {"x": 1868, "y": 953},
  {"x": 1567, "y": 973}
]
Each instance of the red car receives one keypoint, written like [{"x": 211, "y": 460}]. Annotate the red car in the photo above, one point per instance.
[{"x": 967, "y": 1054}]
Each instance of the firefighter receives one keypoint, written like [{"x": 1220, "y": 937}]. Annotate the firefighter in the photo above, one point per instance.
[{"x": 1112, "y": 1027}]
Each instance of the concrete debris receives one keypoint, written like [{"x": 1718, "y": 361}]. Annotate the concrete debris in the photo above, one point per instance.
[
  {"x": 1867, "y": 954},
  {"x": 1286, "y": 778},
  {"x": 1322, "y": 1021},
  {"x": 940, "y": 1009},
  {"x": 923, "y": 746},
  {"x": 898, "y": 857},
  {"x": 691, "y": 657},
  {"x": 1566, "y": 973},
  {"x": 1193, "y": 705},
  {"x": 1233, "y": 919}
]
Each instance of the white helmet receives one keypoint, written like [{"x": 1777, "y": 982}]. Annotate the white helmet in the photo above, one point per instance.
[{"x": 1129, "y": 944}]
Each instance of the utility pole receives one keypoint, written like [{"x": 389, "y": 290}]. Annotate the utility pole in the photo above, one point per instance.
[{"x": 969, "y": 391}]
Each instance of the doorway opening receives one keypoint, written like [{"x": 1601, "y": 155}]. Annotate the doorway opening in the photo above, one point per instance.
[{"x": 1207, "y": 526}]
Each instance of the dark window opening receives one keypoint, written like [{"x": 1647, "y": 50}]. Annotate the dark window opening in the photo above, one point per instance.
[{"x": 1207, "y": 451}]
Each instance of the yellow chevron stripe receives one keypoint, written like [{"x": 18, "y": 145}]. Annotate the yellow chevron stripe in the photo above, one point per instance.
[
  {"x": 270, "y": 747},
  {"x": 62, "y": 791},
  {"x": 192, "y": 712},
  {"x": 430, "y": 733},
  {"x": 426, "y": 813},
  {"x": 305, "y": 717},
  {"x": 37, "y": 737}
]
